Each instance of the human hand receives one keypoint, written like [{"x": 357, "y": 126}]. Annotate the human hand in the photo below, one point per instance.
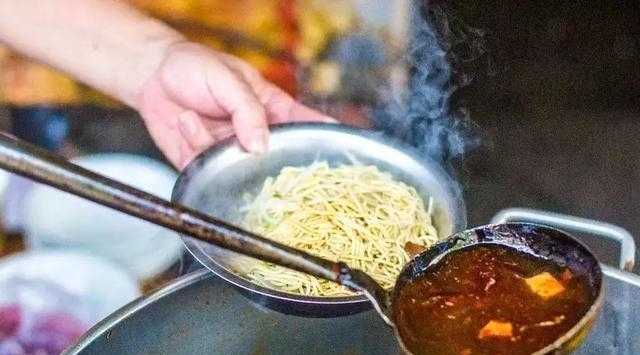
[
  {"x": 198, "y": 96},
  {"x": 188, "y": 95}
]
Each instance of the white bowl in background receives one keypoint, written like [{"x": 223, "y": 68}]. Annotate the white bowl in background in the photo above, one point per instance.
[
  {"x": 85, "y": 286},
  {"x": 55, "y": 219}
]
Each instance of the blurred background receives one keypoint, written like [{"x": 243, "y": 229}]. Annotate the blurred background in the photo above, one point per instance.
[{"x": 552, "y": 88}]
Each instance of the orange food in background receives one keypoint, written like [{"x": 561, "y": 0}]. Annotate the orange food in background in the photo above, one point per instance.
[{"x": 263, "y": 32}]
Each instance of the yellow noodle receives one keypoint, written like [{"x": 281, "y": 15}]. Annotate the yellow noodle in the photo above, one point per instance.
[{"x": 353, "y": 213}]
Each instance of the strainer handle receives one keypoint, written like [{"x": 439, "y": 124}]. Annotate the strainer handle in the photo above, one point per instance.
[{"x": 575, "y": 224}]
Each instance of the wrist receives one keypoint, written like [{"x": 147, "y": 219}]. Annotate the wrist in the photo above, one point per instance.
[{"x": 156, "y": 48}]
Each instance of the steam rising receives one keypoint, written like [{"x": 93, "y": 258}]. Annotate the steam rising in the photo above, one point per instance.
[{"x": 424, "y": 116}]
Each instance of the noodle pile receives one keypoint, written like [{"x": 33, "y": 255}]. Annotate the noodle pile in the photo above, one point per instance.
[{"x": 353, "y": 213}]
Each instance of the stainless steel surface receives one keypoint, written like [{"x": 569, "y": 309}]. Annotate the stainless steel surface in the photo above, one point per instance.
[
  {"x": 218, "y": 181},
  {"x": 32, "y": 162},
  {"x": 623, "y": 276},
  {"x": 202, "y": 314},
  {"x": 575, "y": 224}
]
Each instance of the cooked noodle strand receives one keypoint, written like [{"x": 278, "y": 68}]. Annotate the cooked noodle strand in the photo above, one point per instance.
[{"x": 352, "y": 213}]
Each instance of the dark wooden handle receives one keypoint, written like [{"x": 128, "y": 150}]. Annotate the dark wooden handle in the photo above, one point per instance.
[{"x": 35, "y": 163}]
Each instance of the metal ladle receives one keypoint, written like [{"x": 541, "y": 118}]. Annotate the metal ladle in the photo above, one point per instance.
[
  {"x": 40, "y": 165},
  {"x": 29, "y": 161}
]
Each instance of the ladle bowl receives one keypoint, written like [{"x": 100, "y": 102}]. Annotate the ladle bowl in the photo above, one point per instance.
[{"x": 540, "y": 241}]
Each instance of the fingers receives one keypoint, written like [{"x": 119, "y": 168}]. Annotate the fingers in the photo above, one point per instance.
[
  {"x": 280, "y": 106},
  {"x": 160, "y": 117},
  {"x": 251, "y": 129},
  {"x": 300, "y": 112},
  {"x": 219, "y": 130},
  {"x": 214, "y": 87},
  {"x": 194, "y": 131},
  {"x": 283, "y": 108},
  {"x": 248, "y": 116}
]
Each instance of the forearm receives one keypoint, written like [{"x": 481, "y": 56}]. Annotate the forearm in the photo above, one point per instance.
[{"x": 104, "y": 43}]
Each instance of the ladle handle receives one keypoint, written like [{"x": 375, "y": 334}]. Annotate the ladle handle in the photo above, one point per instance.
[{"x": 35, "y": 163}]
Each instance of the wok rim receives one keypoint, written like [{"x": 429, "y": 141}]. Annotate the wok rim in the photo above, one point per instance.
[{"x": 133, "y": 307}]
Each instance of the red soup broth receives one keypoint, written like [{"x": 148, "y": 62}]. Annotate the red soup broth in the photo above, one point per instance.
[{"x": 489, "y": 299}]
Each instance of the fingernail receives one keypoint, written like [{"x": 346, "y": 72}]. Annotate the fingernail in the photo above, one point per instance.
[
  {"x": 187, "y": 123},
  {"x": 260, "y": 144}
]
